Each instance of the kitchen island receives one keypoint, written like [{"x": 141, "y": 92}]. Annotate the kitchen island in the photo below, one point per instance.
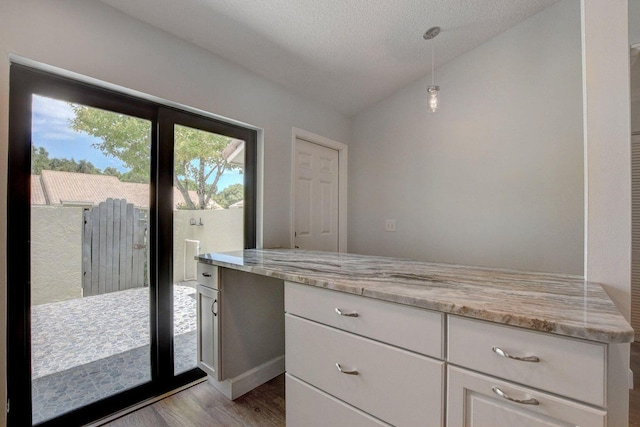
[{"x": 464, "y": 344}]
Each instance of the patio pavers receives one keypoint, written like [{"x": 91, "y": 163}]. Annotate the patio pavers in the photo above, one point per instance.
[{"x": 90, "y": 348}]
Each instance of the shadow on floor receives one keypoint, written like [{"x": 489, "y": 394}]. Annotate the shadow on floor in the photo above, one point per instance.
[{"x": 61, "y": 392}]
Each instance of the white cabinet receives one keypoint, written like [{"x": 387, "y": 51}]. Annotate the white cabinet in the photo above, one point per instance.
[
  {"x": 208, "y": 331},
  {"x": 363, "y": 349},
  {"x": 399, "y": 387},
  {"x": 309, "y": 407},
  {"x": 355, "y": 358},
  {"x": 504, "y": 376},
  {"x": 240, "y": 328},
  {"x": 476, "y": 400}
]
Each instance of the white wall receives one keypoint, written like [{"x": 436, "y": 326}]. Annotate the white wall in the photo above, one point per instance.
[
  {"x": 90, "y": 38},
  {"x": 634, "y": 21},
  {"x": 605, "y": 53},
  {"x": 635, "y": 95},
  {"x": 634, "y": 38},
  {"x": 608, "y": 148},
  {"x": 495, "y": 177}
]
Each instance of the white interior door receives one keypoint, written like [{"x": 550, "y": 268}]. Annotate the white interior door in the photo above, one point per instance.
[{"x": 316, "y": 197}]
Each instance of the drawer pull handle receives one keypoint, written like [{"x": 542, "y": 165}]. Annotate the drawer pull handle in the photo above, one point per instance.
[
  {"x": 354, "y": 314},
  {"x": 353, "y": 372},
  {"x": 502, "y": 394},
  {"x": 206, "y": 274},
  {"x": 501, "y": 352}
]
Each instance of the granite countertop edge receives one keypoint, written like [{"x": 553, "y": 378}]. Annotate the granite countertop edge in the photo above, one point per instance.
[{"x": 478, "y": 293}]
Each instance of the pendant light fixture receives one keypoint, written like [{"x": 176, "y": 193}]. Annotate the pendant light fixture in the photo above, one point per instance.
[{"x": 432, "y": 89}]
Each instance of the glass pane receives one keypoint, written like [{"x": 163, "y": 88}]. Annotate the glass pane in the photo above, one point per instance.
[
  {"x": 89, "y": 252},
  {"x": 208, "y": 198}
]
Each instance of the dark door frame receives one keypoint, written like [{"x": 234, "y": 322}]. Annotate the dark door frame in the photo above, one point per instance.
[{"x": 24, "y": 82}]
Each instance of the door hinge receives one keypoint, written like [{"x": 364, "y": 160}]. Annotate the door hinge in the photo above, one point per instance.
[{"x": 8, "y": 402}]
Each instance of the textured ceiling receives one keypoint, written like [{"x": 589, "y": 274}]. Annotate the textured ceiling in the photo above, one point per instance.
[{"x": 345, "y": 54}]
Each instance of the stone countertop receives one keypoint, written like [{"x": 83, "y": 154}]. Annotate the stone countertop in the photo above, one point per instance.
[{"x": 554, "y": 303}]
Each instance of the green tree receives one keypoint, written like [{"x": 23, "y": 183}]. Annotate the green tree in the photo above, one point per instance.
[
  {"x": 111, "y": 171},
  {"x": 198, "y": 157},
  {"x": 40, "y": 161},
  {"x": 124, "y": 137},
  {"x": 230, "y": 195},
  {"x": 197, "y": 154}
]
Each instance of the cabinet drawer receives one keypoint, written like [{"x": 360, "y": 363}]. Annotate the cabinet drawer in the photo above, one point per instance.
[
  {"x": 473, "y": 400},
  {"x": 412, "y": 328},
  {"x": 208, "y": 275},
  {"x": 394, "y": 385},
  {"x": 309, "y": 407},
  {"x": 566, "y": 366}
]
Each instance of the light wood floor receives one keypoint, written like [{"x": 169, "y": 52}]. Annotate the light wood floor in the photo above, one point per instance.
[{"x": 202, "y": 405}]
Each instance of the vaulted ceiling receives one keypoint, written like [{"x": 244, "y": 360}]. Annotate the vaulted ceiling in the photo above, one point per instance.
[{"x": 345, "y": 54}]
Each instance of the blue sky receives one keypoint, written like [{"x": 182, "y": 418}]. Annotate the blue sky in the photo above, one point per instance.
[{"x": 51, "y": 129}]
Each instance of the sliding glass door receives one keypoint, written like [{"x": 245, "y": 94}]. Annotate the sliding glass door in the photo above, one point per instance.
[
  {"x": 110, "y": 199},
  {"x": 212, "y": 175},
  {"x": 89, "y": 255}
]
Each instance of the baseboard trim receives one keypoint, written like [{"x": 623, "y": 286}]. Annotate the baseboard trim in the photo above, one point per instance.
[{"x": 247, "y": 381}]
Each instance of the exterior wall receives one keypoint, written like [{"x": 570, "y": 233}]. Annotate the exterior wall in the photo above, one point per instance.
[
  {"x": 222, "y": 232},
  {"x": 56, "y": 246},
  {"x": 56, "y": 254},
  {"x": 495, "y": 177}
]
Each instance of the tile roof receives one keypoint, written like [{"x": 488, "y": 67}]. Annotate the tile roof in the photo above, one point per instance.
[
  {"x": 58, "y": 188},
  {"x": 37, "y": 192}
]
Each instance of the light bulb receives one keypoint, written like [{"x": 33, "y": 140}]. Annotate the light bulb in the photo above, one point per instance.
[{"x": 433, "y": 98}]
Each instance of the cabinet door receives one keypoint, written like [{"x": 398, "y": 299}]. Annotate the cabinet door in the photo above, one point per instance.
[
  {"x": 476, "y": 400},
  {"x": 209, "y": 331}
]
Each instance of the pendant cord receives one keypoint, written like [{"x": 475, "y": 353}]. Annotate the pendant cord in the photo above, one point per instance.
[{"x": 432, "y": 65}]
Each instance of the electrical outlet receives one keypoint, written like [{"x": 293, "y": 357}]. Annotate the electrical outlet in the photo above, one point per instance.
[{"x": 390, "y": 225}]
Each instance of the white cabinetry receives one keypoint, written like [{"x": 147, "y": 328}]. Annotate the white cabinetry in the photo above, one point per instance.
[
  {"x": 208, "y": 331},
  {"x": 240, "y": 341},
  {"x": 367, "y": 362},
  {"x": 397, "y": 386},
  {"x": 307, "y": 406},
  {"x": 533, "y": 379},
  {"x": 363, "y": 349},
  {"x": 476, "y": 400}
]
